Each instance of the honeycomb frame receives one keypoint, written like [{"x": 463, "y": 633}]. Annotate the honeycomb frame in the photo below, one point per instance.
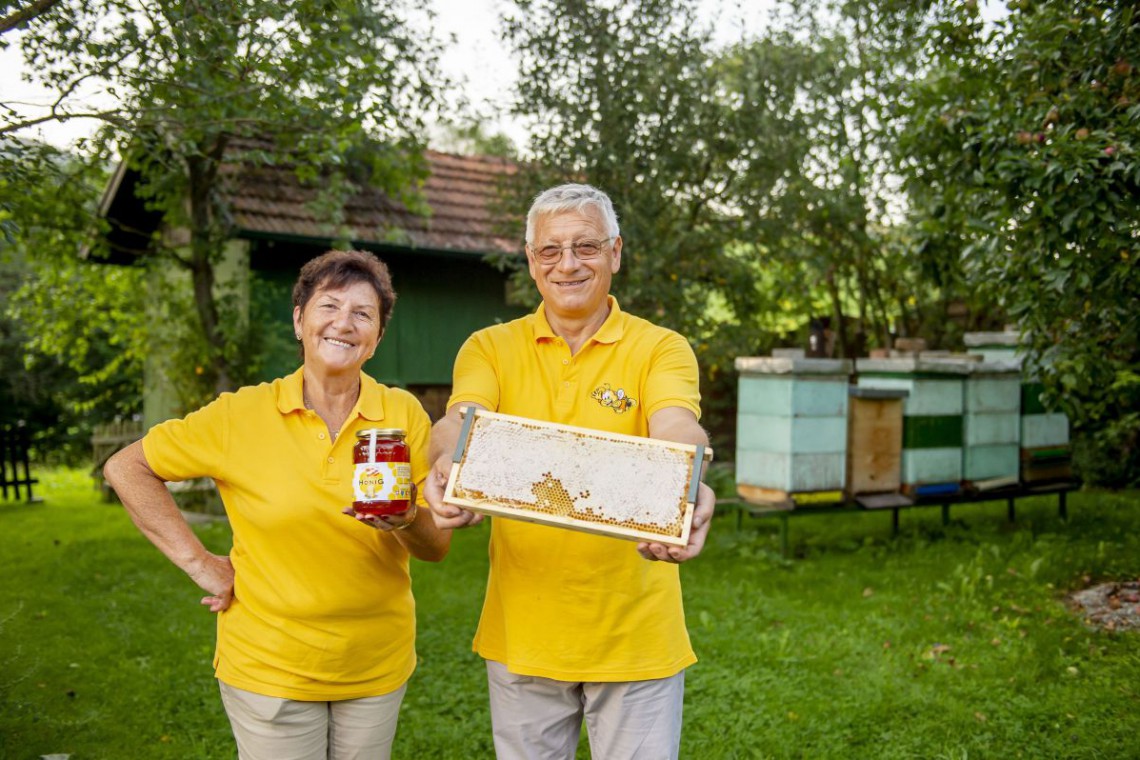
[{"x": 610, "y": 484}]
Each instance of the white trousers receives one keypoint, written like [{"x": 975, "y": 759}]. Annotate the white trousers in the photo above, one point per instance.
[
  {"x": 271, "y": 728},
  {"x": 541, "y": 719}
]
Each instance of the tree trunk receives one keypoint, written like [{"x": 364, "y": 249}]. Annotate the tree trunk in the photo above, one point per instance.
[
  {"x": 840, "y": 326},
  {"x": 205, "y": 240}
]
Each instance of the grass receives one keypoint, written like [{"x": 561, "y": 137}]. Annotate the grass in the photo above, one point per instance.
[{"x": 945, "y": 642}]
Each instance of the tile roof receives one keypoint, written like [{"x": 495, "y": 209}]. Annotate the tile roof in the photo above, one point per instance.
[
  {"x": 269, "y": 201},
  {"x": 459, "y": 190}
]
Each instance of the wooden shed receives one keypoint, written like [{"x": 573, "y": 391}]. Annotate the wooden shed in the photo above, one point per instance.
[{"x": 446, "y": 288}]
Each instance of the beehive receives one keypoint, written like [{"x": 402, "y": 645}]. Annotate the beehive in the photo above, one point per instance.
[
  {"x": 791, "y": 431},
  {"x": 991, "y": 424},
  {"x": 932, "y": 418},
  {"x": 1045, "y": 450},
  {"x": 1045, "y": 453},
  {"x": 641, "y": 489},
  {"x": 993, "y": 346},
  {"x": 874, "y": 440}
]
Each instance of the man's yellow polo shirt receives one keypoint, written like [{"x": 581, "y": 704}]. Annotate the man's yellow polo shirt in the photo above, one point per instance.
[
  {"x": 323, "y": 605},
  {"x": 561, "y": 604}
]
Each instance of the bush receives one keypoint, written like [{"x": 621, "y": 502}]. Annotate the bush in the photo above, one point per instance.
[{"x": 1109, "y": 457}]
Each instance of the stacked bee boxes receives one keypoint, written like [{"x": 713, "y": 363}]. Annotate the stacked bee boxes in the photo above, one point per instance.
[
  {"x": 874, "y": 446},
  {"x": 1044, "y": 435},
  {"x": 991, "y": 424},
  {"x": 932, "y": 418},
  {"x": 993, "y": 346},
  {"x": 1045, "y": 451},
  {"x": 791, "y": 430}
]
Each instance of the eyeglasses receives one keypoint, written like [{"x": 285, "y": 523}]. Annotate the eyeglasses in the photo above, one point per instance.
[{"x": 584, "y": 250}]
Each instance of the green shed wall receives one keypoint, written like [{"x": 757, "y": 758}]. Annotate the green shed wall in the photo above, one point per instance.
[{"x": 440, "y": 300}]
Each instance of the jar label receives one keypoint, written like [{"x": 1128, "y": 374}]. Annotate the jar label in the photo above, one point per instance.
[{"x": 382, "y": 481}]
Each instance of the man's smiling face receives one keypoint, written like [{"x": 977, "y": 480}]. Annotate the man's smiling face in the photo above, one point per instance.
[{"x": 570, "y": 287}]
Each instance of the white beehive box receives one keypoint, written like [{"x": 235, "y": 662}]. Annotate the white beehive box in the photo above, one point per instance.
[
  {"x": 1044, "y": 434},
  {"x": 791, "y": 429},
  {"x": 991, "y": 424}
]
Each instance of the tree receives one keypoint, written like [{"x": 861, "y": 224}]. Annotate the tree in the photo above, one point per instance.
[
  {"x": 470, "y": 136},
  {"x": 1025, "y": 140},
  {"x": 70, "y": 331},
  {"x": 693, "y": 147},
  {"x": 846, "y": 236},
  {"x": 14, "y": 19},
  {"x": 314, "y": 83}
]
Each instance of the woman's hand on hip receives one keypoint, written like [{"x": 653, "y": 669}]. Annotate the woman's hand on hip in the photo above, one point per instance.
[{"x": 215, "y": 575}]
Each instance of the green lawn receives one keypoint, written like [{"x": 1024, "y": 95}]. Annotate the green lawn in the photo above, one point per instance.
[{"x": 946, "y": 642}]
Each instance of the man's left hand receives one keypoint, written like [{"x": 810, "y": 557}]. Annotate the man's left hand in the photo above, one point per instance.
[{"x": 702, "y": 519}]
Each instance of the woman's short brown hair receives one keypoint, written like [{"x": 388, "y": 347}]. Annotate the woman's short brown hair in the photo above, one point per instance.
[{"x": 338, "y": 269}]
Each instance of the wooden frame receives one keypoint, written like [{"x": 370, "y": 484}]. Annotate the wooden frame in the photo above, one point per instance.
[{"x": 658, "y": 462}]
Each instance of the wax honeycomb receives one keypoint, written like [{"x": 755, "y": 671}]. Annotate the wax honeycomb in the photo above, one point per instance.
[{"x": 572, "y": 474}]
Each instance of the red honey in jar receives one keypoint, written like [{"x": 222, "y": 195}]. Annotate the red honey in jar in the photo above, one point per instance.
[{"x": 382, "y": 481}]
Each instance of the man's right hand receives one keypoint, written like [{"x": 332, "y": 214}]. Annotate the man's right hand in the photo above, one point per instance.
[
  {"x": 446, "y": 516},
  {"x": 444, "y": 436}
]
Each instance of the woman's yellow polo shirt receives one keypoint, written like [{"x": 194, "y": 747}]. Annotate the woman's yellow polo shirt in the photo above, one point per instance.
[
  {"x": 561, "y": 604},
  {"x": 323, "y": 605}
]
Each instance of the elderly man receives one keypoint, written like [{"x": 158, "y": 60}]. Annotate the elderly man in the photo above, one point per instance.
[{"x": 577, "y": 625}]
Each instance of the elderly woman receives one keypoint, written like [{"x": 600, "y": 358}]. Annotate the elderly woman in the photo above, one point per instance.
[{"x": 316, "y": 622}]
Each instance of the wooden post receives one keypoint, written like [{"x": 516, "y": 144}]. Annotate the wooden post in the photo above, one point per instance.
[
  {"x": 784, "y": 535},
  {"x": 4, "y": 461}
]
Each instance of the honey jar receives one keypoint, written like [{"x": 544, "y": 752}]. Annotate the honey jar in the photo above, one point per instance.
[{"x": 382, "y": 480}]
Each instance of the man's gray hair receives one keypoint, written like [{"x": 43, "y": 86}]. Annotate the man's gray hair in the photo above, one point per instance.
[{"x": 571, "y": 197}]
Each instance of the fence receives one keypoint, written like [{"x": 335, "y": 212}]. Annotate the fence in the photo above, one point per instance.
[
  {"x": 105, "y": 441},
  {"x": 14, "y": 442}
]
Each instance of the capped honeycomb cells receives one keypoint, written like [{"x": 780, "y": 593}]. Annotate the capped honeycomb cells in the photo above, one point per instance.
[{"x": 571, "y": 474}]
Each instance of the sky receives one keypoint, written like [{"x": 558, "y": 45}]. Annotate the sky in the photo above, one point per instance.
[
  {"x": 474, "y": 56},
  {"x": 482, "y": 61}
]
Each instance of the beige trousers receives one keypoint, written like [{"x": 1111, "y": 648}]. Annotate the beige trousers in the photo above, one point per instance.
[
  {"x": 541, "y": 719},
  {"x": 271, "y": 728}
]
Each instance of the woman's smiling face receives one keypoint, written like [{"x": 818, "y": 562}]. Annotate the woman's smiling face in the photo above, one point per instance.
[{"x": 339, "y": 328}]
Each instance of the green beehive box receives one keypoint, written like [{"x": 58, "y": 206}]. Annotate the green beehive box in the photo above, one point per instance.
[
  {"x": 1043, "y": 435},
  {"x": 932, "y": 418},
  {"x": 1045, "y": 451},
  {"x": 791, "y": 429}
]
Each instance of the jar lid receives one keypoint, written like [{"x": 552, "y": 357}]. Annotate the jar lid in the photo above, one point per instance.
[{"x": 381, "y": 432}]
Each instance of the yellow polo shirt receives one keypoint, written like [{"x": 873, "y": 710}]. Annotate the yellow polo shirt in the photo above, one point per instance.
[
  {"x": 561, "y": 604},
  {"x": 323, "y": 606}
]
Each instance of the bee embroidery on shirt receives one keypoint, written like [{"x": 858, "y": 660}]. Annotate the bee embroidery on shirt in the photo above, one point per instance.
[{"x": 616, "y": 400}]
